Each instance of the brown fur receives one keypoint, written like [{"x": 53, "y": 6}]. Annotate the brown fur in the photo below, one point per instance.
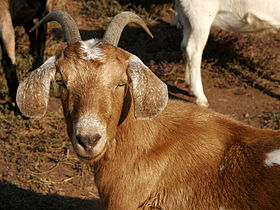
[{"x": 186, "y": 157}]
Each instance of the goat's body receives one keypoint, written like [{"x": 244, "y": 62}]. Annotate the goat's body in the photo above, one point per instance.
[
  {"x": 200, "y": 160},
  {"x": 197, "y": 17},
  {"x": 248, "y": 16},
  {"x": 14, "y": 13}
]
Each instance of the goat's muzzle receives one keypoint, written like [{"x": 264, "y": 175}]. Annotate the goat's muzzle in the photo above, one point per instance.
[
  {"x": 89, "y": 137},
  {"x": 88, "y": 147}
]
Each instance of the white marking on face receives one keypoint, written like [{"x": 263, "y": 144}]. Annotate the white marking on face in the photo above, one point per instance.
[
  {"x": 222, "y": 167},
  {"x": 273, "y": 158},
  {"x": 90, "y": 49},
  {"x": 88, "y": 121}
]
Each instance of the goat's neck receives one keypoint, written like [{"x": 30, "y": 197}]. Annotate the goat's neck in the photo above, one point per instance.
[
  {"x": 125, "y": 156},
  {"x": 140, "y": 135}
]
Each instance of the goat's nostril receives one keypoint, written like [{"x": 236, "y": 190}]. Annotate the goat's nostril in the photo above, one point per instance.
[
  {"x": 79, "y": 138},
  {"x": 95, "y": 139},
  {"x": 87, "y": 142}
]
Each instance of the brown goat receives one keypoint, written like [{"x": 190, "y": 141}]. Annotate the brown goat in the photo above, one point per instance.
[
  {"x": 149, "y": 152},
  {"x": 21, "y": 12}
]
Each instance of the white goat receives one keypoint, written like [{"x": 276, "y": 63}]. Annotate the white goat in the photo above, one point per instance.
[
  {"x": 149, "y": 152},
  {"x": 197, "y": 17}
]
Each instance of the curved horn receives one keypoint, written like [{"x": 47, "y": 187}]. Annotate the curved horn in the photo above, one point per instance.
[
  {"x": 116, "y": 26},
  {"x": 70, "y": 29}
]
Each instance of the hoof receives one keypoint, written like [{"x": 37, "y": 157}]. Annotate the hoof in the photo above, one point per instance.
[{"x": 203, "y": 104}]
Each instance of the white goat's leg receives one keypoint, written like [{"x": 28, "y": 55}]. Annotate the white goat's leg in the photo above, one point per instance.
[
  {"x": 196, "y": 41},
  {"x": 197, "y": 19}
]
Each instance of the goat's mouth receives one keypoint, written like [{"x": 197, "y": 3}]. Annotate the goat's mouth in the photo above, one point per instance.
[
  {"x": 89, "y": 153},
  {"x": 92, "y": 158}
]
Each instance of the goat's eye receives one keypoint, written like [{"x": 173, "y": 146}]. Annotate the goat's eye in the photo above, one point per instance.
[
  {"x": 122, "y": 83},
  {"x": 59, "y": 80}
]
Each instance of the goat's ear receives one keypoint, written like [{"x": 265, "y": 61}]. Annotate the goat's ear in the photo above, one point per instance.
[
  {"x": 33, "y": 94},
  {"x": 150, "y": 94}
]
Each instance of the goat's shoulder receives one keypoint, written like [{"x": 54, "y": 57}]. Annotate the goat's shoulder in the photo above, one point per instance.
[
  {"x": 204, "y": 123},
  {"x": 190, "y": 115}
]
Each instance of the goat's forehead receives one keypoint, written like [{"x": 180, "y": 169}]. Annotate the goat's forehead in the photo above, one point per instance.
[{"x": 93, "y": 60}]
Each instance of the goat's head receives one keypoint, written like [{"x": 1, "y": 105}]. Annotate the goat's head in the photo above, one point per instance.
[{"x": 95, "y": 78}]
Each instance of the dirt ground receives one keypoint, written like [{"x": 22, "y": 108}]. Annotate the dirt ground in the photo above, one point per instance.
[{"x": 38, "y": 168}]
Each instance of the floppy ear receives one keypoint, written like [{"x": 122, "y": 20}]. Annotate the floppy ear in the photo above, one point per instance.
[
  {"x": 33, "y": 94},
  {"x": 150, "y": 94}
]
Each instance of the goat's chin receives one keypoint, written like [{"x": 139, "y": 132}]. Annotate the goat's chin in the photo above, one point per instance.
[
  {"x": 92, "y": 159},
  {"x": 92, "y": 155}
]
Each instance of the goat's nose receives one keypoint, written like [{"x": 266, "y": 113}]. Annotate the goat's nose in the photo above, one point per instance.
[{"x": 88, "y": 142}]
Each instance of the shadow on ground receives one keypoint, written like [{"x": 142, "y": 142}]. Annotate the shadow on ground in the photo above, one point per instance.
[{"x": 12, "y": 198}]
